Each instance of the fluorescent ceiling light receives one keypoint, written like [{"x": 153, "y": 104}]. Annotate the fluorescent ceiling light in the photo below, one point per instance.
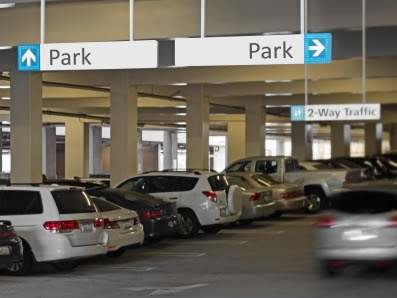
[
  {"x": 6, "y": 98},
  {"x": 5, "y": 47},
  {"x": 278, "y": 94},
  {"x": 7, "y": 5},
  {"x": 4, "y": 87}
]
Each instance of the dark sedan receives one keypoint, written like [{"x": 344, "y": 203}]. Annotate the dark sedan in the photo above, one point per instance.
[
  {"x": 158, "y": 217},
  {"x": 11, "y": 249}
]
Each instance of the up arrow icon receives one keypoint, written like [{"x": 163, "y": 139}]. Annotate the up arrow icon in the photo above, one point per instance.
[
  {"x": 29, "y": 57},
  {"x": 318, "y": 48}
]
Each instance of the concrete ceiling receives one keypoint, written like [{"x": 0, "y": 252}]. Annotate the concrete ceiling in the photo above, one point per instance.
[{"x": 162, "y": 90}]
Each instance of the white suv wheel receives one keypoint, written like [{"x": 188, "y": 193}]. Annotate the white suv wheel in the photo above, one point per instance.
[{"x": 234, "y": 199}]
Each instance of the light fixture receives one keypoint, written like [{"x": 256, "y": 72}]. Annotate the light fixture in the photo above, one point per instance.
[
  {"x": 7, "y": 5},
  {"x": 5, "y": 98}
]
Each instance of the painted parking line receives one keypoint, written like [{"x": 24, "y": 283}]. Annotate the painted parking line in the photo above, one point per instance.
[
  {"x": 277, "y": 232},
  {"x": 223, "y": 242},
  {"x": 134, "y": 269},
  {"x": 174, "y": 254},
  {"x": 164, "y": 290}
]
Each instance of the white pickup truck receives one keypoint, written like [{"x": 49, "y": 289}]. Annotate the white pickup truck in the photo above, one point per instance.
[{"x": 318, "y": 184}]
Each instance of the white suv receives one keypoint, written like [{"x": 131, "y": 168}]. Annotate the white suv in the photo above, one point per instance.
[
  {"x": 204, "y": 199},
  {"x": 56, "y": 224}
]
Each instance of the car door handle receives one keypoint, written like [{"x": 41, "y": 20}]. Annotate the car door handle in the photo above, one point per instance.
[{"x": 174, "y": 198}]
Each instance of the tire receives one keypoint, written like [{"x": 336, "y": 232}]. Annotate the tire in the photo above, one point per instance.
[
  {"x": 313, "y": 204},
  {"x": 318, "y": 197},
  {"x": 23, "y": 267},
  {"x": 245, "y": 221},
  {"x": 212, "y": 229},
  {"x": 326, "y": 269},
  {"x": 276, "y": 214},
  {"x": 234, "y": 199},
  {"x": 189, "y": 224},
  {"x": 65, "y": 266},
  {"x": 116, "y": 253}
]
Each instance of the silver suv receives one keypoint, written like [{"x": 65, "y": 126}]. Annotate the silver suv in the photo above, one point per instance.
[
  {"x": 58, "y": 225},
  {"x": 206, "y": 200}
]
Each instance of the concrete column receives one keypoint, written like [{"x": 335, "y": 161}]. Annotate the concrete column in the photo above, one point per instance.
[
  {"x": 255, "y": 128},
  {"x": 235, "y": 140},
  {"x": 49, "y": 152},
  {"x": 167, "y": 149},
  {"x": 393, "y": 137},
  {"x": 26, "y": 124},
  {"x": 124, "y": 125},
  {"x": 1, "y": 147},
  {"x": 170, "y": 149},
  {"x": 197, "y": 128},
  {"x": 140, "y": 151},
  {"x": 340, "y": 139},
  {"x": 302, "y": 140},
  {"x": 76, "y": 148},
  {"x": 95, "y": 151},
  {"x": 280, "y": 146},
  {"x": 373, "y": 138}
]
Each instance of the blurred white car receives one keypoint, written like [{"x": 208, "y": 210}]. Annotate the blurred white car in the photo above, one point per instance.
[
  {"x": 360, "y": 228},
  {"x": 122, "y": 226}
]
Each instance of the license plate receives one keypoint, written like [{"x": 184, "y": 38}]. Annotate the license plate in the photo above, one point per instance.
[
  {"x": 86, "y": 228},
  {"x": 4, "y": 250},
  {"x": 127, "y": 225},
  {"x": 357, "y": 235}
]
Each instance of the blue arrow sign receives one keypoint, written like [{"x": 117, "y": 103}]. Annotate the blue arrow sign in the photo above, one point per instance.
[
  {"x": 29, "y": 57},
  {"x": 318, "y": 48},
  {"x": 297, "y": 113}
]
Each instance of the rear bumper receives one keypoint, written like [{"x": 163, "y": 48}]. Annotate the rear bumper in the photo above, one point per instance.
[
  {"x": 290, "y": 204},
  {"x": 357, "y": 254},
  {"x": 11, "y": 251},
  {"x": 155, "y": 228},
  {"x": 257, "y": 211},
  {"x": 118, "y": 240}
]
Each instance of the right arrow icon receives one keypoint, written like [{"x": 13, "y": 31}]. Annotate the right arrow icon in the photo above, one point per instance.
[
  {"x": 318, "y": 48},
  {"x": 29, "y": 57}
]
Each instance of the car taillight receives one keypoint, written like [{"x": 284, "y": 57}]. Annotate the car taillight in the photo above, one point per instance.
[
  {"x": 211, "y": 195},
  {"x": 152, "y": 214},
  {"x": 108, "y": 224},
  {"x": 325, "y": 222},
  {"x": 255, "y": 196},
  {"x": 8, "y": 234},
  {"x": 346, "y": 181},
  {"x": 136, "y": 221},
  {"x": 63, "y": 226},
  {"x": 99, "y": 223},
  {"x": 287, "y": 195},
  {"x": 393, "y": 222}
]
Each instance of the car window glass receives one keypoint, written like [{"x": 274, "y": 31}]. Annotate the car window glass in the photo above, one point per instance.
[
  {"x": 266, "y": 166},
  {"x": 218, "y": 182},
  {"x": 138, "y": 184},
  {"x": 265, "y": 180},
  {"x": 239, "y": 181},
  {"x": 73, "y": 201},
  {"x": 104, "y": 205},
  {"x": 185, "y": 183},
  {"x": 162, "y": 183},
  {"x": 291, "y": 165},
  {"x": 242, "y": 166},
  {"x": 364, "y": 202},
  {"x": 18, "y": 202}
]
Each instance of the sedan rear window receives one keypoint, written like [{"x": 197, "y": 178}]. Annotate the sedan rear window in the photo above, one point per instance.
[
  {"x": 364, "y": 201},
  {"x": 104, "y": 206},
  {"x": 218, "y": 182},
  {"x": 73, "y": 201}
]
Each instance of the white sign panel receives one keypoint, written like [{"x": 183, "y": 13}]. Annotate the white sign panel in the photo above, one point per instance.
[
  {"x": 253, "y": 50},
  {"x": 88, "y": 56},
  {"x": 335, "y": 112}
]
